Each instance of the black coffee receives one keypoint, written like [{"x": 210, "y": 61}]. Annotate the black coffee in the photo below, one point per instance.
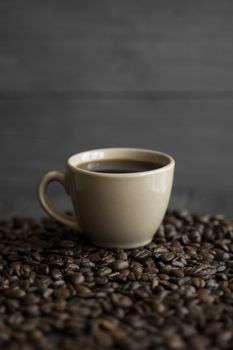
[{"x": 119, "y": 166}]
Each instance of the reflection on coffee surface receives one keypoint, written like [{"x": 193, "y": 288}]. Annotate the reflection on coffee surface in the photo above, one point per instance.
[{"x": 119, "y": 166}]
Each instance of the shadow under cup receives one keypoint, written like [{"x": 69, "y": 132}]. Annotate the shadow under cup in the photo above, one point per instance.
[{"x": 120, "y": 209}]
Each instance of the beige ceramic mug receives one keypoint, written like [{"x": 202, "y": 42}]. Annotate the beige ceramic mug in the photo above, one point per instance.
[{"x": 114, "y": 210}]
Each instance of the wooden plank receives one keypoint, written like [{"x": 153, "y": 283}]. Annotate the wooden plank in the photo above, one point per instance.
[
  {"x": 38, "y": 135},
  {"x": 116, "y": 45}
]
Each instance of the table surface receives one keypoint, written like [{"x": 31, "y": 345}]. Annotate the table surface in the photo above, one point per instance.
[{"x": 78, "y": 76}]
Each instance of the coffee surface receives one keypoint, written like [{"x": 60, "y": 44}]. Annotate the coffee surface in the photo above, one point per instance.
[{"x": 119, "y": 166}]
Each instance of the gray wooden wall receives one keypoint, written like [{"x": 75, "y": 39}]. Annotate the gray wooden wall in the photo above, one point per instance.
[{"x": 78, "y": 75}]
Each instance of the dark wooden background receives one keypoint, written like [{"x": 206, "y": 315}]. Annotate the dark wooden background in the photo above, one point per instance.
[{"x": 78, "y": 75}]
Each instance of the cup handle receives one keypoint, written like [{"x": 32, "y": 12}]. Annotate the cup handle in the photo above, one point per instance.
[{"x": 60, "y": 177}]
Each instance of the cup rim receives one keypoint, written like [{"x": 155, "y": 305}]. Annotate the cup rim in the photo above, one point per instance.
[{"x": 71, "y": 160}]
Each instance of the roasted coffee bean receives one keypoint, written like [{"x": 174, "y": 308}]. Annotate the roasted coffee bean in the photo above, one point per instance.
[
  {"x": 154, "y": 282},
  {"x": 175, "y": 342},
  {"x": 123, "y": 275},
  {"x": 103, "y": 338},
  {"x": 15, "y": 319},
  {"x": 83, "y": 291},
  {"x": 36, "y": 255},
  {"x": 86, "y": 263},
  {"x": 221, "y": 268},
  {"x": 71, "y": 268},
  {"x": 36, "y": 335},
  {"x": 56, "y": 274},
  {"x": 199, "y": 342},
  {"x": 43, "y": 282},
  {"x": 205, "y": 296},
  {"x": 67, "y": 244},
  {"x": 108, "y": 323},
  {"x": 45, "y": 269},
  {"x": 183, "y": 280},
  {"x": 77, "y": 278},
  {"x": 168, "y": 257},
  {"x": 104, "y": 271},
  {"x": 177, "y": 264},
  {"x": 19, "y": 336},
  {"x": 15, "y": 293},
  {"x": 179, "y": 273},
  {"x": 198, "y": 282},
  {"x": 119, "y": 265},
  {"x": 25, "y": 270},
  {"x": 121, "y": 300},
  {"x": 32, "y": 310},
  {"x": 100, "y": 281},
  {"x": 29, "y": 325},
  {"x": 5, "y": 333},
  {"x": 121, "y": 255},
  {"x": 141, "y": 254},
  {"x": 58, "y": 291},
  {"x": 61, "y": 293},
  {"x": 56, "y": 261},
  {"x": 195, "y": 236},
  {"x": 15, "y": 268},
  {"x": 47, "y": 292}
]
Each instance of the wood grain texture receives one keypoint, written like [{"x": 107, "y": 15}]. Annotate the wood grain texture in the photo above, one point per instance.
[
  {"x": 79, "y": 75},
  {"x": 39, "y": 135},
  {"x": 122, "y": 45}
]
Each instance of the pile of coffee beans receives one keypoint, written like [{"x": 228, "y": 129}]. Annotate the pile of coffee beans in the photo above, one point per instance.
[{"x": 58, "y": 291}]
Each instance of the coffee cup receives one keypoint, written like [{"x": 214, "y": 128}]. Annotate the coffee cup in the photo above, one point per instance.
[{"x": 119, "y": 195}]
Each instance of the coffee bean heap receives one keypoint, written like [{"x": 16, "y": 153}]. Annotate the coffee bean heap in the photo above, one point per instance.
[{"x": 58, "y": 291}]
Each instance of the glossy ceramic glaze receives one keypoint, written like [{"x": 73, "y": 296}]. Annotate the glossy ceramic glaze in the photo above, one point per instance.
[{"x": 114, "y": 210}]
